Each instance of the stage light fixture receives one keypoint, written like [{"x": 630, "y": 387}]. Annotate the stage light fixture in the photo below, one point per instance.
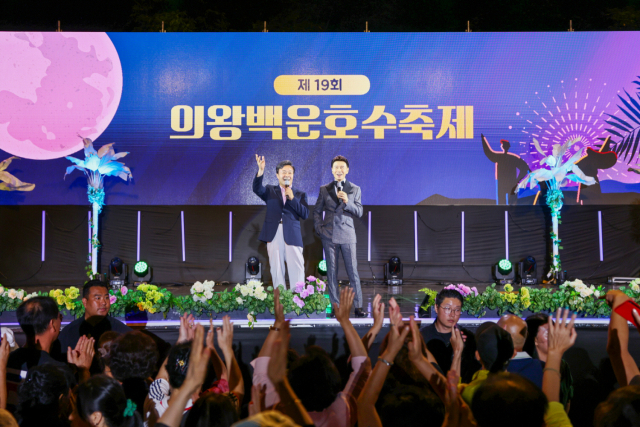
[
  {"x": 322, "y": 268},
  {"x": 393, "y": 271},
  {"x": 527, "y": 273},
  {"x": 253, "y": 269},
  {"x": 118, "y": 271},
  {"x": 142, "y": 271},
  {"x": 503, "y": 272}
]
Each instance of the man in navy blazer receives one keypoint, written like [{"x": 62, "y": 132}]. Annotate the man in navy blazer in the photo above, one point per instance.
[{"x": 281, "y": 229}]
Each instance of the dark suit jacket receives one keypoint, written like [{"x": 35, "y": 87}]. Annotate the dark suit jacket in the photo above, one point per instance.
[
  {"x": 337, "y": 226},
  {"x": 291, "y": 212}
]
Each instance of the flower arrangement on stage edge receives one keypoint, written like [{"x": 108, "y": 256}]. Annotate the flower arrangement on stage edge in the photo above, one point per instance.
[
  {"x": 306, "y": 298},
  {"x": 10, "y": 299},
  {"x": 576, "y": 295},
  {"x": 145, "y": 297},
  {"x": 67, "y": 300}
]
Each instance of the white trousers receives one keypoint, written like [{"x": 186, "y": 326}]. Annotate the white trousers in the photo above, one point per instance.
[{"x": 279, "y": 253}]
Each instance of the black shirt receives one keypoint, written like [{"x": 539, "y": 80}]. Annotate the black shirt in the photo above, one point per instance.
[
  {"x": 71, "y": 333},
  {"x": 25, "y": 358},
  {"x": 431, "y": 333}
]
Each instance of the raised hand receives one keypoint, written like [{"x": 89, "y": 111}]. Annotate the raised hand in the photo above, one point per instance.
[
  {"x": 457, "y": 341},
  {"x": 377, "y": 311},
  {"x": 82, "y": 355},
  {"x": 457, "y": 413},
  {"x": 416, "y": 343},
  {"x": 395, "y": 318},
  {"x": 278, "y": 308},
  {"x": 258, "y": 395},
  {"x": 225, "y": 334},
  {"x": 198, "y": 361},
  {"x": 346, "y": 301},
  {"x": 562, "y": 335},
  {"x": 261, "y": 164},
  {"x": 396, "y": 338},
  {"x": 277, "y": 370},
  {"x": 210, "y": 336},
  {"x": 187, "y": 328}
]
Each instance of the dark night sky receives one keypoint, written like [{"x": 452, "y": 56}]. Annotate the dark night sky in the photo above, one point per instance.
[{"x": 320, "y": 15}]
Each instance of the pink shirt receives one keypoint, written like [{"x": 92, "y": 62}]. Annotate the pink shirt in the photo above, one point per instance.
[
  {"x": 343, "y": 412},
  {"x": 284, "y": 197}
]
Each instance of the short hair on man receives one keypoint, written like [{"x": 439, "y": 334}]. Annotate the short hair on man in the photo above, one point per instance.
[
  {"x": 35, "y": 314},
  {"x": 339, "y": 158},
  {"x": 505, "y": 400},
  {"x": 283, "y": 164},
  {"x": 448, "y": 293},
  {"x": 93, "y": 284},
  {"x": 621, "y": 409}
]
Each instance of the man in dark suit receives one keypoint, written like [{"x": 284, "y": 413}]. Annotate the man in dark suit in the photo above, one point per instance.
[
  {"x": 340, "y": 202},
  {"x": 281, "y": 229}
]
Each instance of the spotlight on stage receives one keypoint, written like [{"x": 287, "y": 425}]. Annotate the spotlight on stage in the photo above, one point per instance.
[
  {"x": 527, "y": 272},
  {"x": 503, "y": 272},
  {"x": 393, "y": 271},
  {"x": 117, "y": 273},
  {"x": 322, "y": 268},
  {"x": 253, "y": 269},
  {"x": 143, "y": 272}
]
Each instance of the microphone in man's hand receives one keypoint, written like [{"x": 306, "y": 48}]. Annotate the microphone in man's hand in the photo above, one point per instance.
[
  {"x": 287, "y": 183},
  {"x": 339, "y": 189}
]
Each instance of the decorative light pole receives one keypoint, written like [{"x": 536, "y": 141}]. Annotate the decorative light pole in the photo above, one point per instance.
[{"x": 97, "y": 165}]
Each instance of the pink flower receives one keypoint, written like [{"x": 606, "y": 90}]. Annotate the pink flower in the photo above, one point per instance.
[
  {"x": 475, "y": 290},
  {"x": 112, "y": 299},
  {"x": 321, "y": 285},
  {"x": 124, "y": 290},
  {"x": 304, "y": 294},
  {"x": 298, "y": 301},
  {"x": 299, "y": 287},
  {"x": 310, "y": 290},
  {"x": 311, "y": 279}
]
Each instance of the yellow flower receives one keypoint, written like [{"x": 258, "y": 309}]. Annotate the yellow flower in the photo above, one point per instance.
[
  {"x": 524, "y": 293},
  {"x": 57, "y": 293},
  {"x": 508, "y": 288},
  {"x": 152, "y": 310},
  {"x": 526, "y": 303},
  {"x": 153, "y": 287},
  {"x": 60, "y": 299},
  {"x": 140, "y": 306},
  {"x": 143, "y": 288},
  {"x": 69, "y": 305},
  {"x": 72, "y": 292}
]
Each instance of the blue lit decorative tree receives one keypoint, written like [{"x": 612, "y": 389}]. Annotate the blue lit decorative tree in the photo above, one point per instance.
[
  {"x": 557, "y": 174},
  {"x": 97, "y": 165}
]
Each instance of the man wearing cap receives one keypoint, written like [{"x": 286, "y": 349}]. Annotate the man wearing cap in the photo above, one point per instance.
[{"x": 495, "y": 348}]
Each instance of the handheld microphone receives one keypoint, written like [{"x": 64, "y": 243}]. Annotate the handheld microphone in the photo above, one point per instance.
[
  {"x": 287, "y": 182},
  {"x": 339, "y": 189}
]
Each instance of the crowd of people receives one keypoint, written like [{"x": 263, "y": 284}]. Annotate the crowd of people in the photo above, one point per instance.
[{"x": 98, "y": 372}]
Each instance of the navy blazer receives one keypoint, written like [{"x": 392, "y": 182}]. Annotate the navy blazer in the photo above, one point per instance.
[{"x": 290, "y": 213}]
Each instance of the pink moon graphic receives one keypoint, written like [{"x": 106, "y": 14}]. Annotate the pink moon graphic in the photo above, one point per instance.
[{"x": 55, "y": 86}]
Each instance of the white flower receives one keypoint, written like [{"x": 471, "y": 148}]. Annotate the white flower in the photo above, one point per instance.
[
  {"x": 31, "y": 295},
  {"x": 208, "y": 294},
  {"x": 250, "y": 318},
  {"x": 596, "y": 294},
  {"x": 634, "y": 287},
  {"x": 197, "y": 287},
  {"x": 245, "y": 290},
  {"x": 240, "y": 300},
  {"x": 20, "y": 294},
  {"x": 261, "y": 295},
  {"x": 237, "y": 288},
  {"x": 254, "y": 283},
  {"x": 12, "y": 294},
  {"x": 1, "y": 290},
  {"x": 209, "y": 284},
  {"x": 585, "y": 292}
]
